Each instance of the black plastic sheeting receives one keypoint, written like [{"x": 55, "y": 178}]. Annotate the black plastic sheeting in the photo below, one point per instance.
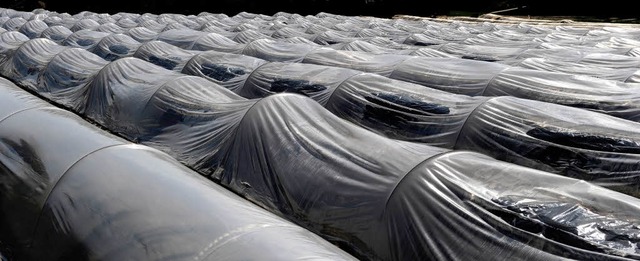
[
  {"x": 73, "y": 192},
  {"x": 215, "y": 131},
  {"x": 469, "y": 77},
  {"x": 395, "y": 109},
  {"x": 376, "y": 197}
]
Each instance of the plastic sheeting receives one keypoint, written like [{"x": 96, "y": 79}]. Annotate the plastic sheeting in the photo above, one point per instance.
[
  {"x": 187, "y": 116},
  {"x": 292, "y": 144},
  {"x": 631, "y": 75},
  {"x": 396, "y": 216},
  {"x": 608, "y": 97},
  {"x": 84, "y": 39},
  {"x": 9, "y": 42},
  {"x": 56, "y": 33},
  {"x": 577, "y": 143},
  {"x": 163, "y": 109},
  {"x": 317, "y": 82},
  {"x": 228, "y": 70},
  {"x": 164, "y": 55},
  {"x": 115, "y": 46},
  {"x": 402, "y": 110},
  {"x": 33, "y": 29},
  {"x": 453, "y": 75},
  {"x": 56, "y": 205},
  {"x": 29, "y": 60},
  {"x": 65, "y": 76},
  {"x": 392, "y": 108},
  {"x": 279, "y": 51}
]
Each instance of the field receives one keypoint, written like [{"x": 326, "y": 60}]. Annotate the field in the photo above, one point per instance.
[{"x": 132, "y": 136}]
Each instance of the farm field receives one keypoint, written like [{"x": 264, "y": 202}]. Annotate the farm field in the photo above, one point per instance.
[{"x": 134, "y": 136}]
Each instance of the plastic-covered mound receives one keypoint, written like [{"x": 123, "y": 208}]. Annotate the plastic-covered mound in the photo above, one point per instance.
[
  {"x": 187, "y": 116},
  {"x": 27, "y": 61},
  {"x": 461, "y": 76},
  {"x": 142, "y": 34},
  {"x": 9, "y": 42},
  {"x": 393, "y": 108},
  {"x": 631, "y": 75},
  {"x": 371, "y": 206},
  {"x": 577, "y": 143},
  {"x": 165, "y": 55},
  {"x": 56, "y": 205},
  {"x": 383, "y": 64},
  {"x": 375, "y": 197},
  {"x": 227, "y": 70},
  {"x": 317, "y": 82},
  {"x": 247, "y": 36},
  {"x": 608, "y": 97},
  {"x": 56, "y": 33},
  {"x": 279, "y": 51},
  {"x": 33, "y": 29},
  {"x": 85, "y": 39},
  {"x": 482, "y": 53},
  {"x": 402, "y": 110},
  {"x": 115, "y": 46},
  {"x": 65, "y": 76}
]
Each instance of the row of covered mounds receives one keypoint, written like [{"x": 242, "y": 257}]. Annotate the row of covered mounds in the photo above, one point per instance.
[
  {"x": 74, "y": 192},
  {"x": 450, "y": 74},
  {"x": 360, "y": 33},
  {"x": 376, "y": 197},
  {"x": 581, "y": 50},
  {"x": 568, "y": 141}
]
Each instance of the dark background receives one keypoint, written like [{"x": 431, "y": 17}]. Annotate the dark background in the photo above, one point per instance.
[{"x": 599, "y": 10}]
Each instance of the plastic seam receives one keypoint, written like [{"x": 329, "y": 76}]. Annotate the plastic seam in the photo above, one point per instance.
[
  {"x": 164, "y": 84},
  {"x": 398, "y": 64},
  {"x": 22, "y": 110},
  {"x": 469, "y": 116},
  {"x": 386, "y": 202},
  {"x": 309, "y": 52},
  {"x": 251, "y": 74},
  {"x": 340, "y": 85},
  {"x": 493, "y": 78},
  {"x": 41, "y": 207}
]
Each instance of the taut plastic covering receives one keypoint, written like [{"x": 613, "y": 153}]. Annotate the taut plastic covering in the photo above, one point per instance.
[
  {"x": 383, "y": 64},
  {"x": 482, "y": 53},
  {"x": 34, "y": 160},
  {"x": 142, "y": 34},
  {"x": 507, "y": 205},
  {"x": 15, "y": 100},
  {"x": 156, "y": 215},
  {"x": 453, "y": 75}
]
